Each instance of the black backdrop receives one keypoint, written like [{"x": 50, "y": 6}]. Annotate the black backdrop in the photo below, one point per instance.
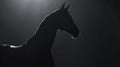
[{"x": 98, "y": 21}]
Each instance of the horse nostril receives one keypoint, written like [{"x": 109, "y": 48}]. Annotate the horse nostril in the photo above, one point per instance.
[{"x": 76, "y": 36}]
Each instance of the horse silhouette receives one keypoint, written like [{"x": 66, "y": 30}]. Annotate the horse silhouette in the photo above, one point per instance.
[{"x": 36, "y": 51}]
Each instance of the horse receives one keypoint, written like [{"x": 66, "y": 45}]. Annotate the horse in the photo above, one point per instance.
[{"x": 36, "y": 51}]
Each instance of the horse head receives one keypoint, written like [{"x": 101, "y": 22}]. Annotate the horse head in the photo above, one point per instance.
[{"x": 65, "y": 21}]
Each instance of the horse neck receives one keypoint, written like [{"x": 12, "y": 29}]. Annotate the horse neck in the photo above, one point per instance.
[{"x": 45, "y": 34}]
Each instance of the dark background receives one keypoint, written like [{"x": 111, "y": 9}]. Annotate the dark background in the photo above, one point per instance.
[{"x": 98, "y": 21}]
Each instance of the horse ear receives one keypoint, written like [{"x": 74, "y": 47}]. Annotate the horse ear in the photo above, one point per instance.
[
  {"x": 63, "y": 6},
  {"x": 67, "y": 7}
]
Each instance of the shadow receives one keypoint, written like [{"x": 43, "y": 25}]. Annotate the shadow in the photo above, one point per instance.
[{"x": 36, "y": 51}]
